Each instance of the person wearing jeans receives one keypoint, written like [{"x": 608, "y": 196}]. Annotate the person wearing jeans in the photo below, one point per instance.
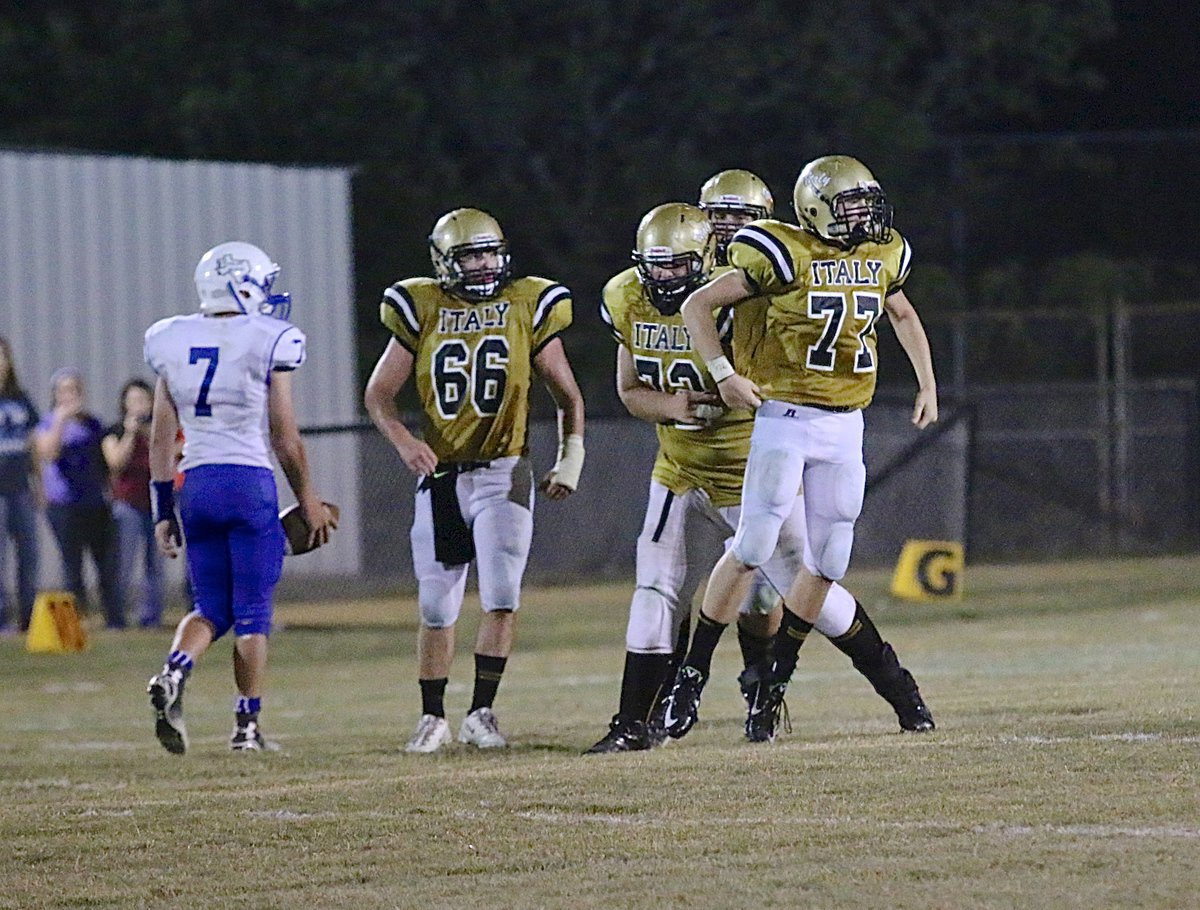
[
  {"x": 127, "y": 452},
  {"x": 18, "y": 510}
]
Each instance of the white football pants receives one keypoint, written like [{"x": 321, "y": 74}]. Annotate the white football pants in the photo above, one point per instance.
[
  {"x": 821, "y": 450},
  {"x": 497, "y": 505},
  {"x": 665, "y": 586}
]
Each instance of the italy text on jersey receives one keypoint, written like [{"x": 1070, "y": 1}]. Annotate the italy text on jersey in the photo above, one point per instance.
[{"x": 473, "y": 359}]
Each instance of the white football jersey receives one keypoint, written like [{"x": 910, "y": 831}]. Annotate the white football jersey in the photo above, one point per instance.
[{"x": 218, "y": 370}]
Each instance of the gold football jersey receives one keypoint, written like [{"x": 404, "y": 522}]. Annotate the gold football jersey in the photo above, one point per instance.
[
  {"x": 474, "y": 360},
  {"x": 711, "y": 458},
  {"x": 822, "y": 303}
]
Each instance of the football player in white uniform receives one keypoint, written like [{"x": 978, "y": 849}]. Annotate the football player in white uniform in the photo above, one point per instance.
[
  {"x": 471, "y": 340},
  {"x": 822, "y": 287},
  {"x": 224, "y": 378}
]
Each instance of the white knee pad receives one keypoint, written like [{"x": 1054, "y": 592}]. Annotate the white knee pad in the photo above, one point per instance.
[
  {"x": 439, "y": 604},
  {"x": 651, "y": 628},
  {"x": 756, "y": 537},
  {"x": 833, "y": 558},
  {"x": 837, "y": 613}
]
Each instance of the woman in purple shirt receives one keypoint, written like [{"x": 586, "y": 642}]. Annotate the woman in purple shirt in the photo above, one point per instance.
[
  {"x": 75, "y": 479},
  {"x": 18, "y": 515}
]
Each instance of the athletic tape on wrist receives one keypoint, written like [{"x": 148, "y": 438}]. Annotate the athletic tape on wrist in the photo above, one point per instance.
[
  {"x": 719, "y": 368},
  {"x": 569, "y": 466}
]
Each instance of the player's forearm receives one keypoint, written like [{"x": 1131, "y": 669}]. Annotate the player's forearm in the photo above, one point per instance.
[
  {"x": 164, "y": 435},
  {"x": 555, "y": 370},
  {"x": 648, "y": 404},
  {"x": 911, "y": 335},
  {"x": 697, "y": 315},
  {"x": 386, "y": 416},
  {"x": 293, "y": 460},
  {"x": 569, "y": 401}
]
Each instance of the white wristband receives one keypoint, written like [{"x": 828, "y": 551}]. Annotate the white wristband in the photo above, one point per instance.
[
  {"x": 567, "y": 469},
  {"x": 719, "y": 368}
]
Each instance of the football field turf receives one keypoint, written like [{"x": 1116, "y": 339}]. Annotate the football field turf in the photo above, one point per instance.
[{"x": 1065, "y": 770}]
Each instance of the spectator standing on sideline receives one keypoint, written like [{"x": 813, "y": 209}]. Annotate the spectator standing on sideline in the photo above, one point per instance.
[
  {"x": 75, "y": 480},
  {"x": 127, "y": 451},
  {"x": 18, "y": 506}
]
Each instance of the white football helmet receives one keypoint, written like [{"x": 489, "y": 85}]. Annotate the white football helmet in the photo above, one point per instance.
[{"x": 236, "y": 277}]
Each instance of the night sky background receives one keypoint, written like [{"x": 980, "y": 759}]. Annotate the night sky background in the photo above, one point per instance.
[{"x": 1038, "y": 154}]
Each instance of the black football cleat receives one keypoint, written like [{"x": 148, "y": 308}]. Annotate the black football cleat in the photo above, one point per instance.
[
  {"x": 624, "y": 734},
  {"x": 683, "y": 704},
  {"x": 912, "y": 712},
  {"x": 765, "y": 707},
  {"x": 897, "y": 685},
  {"x": 166, "y": 697},
  {"x": 656, "y": 731}
]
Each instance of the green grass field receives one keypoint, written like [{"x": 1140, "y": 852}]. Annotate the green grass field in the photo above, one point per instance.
[{"x": 1064, "y": 771}]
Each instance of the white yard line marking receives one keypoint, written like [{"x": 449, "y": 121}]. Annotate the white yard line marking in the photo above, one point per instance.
[
  {"x": 993, "y": 828},
  {"x": 1126, "y": 737}
]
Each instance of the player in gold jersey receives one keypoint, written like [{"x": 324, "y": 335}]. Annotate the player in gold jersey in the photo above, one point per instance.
[
  {"x": 471, "y": 340},
  {"x": 732, "y": 199},
  {"x": 697, "y": 473},
  {"x": 809, "y": 374}
]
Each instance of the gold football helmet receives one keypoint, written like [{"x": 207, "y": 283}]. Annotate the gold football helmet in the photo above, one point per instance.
[
  {"x": 674, "y": 255},
  {"x": 840, "y": 201},
  {"x": 733, "y": 198},
  {"x": 469, "y": 253}
]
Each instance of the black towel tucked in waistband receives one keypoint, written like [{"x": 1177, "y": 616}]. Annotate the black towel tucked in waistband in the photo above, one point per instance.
[{"x": 453, "y": 544}]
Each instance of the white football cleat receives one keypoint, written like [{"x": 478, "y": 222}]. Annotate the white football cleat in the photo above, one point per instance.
[
  {"x": 432, "y": 733},
  {"x": 479, "y": 728},
  {"x": 249, "y": 738}
]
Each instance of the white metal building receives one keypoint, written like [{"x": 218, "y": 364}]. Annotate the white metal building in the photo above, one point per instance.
[{"x": 93, "y": 249}]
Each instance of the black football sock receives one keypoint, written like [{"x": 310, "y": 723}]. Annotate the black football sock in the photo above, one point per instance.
[
  {"x": 872, "y": 656},
  {"x": 642, "y": 683},
  {"x": 488, "y": 670},
  {"x": 704, "y": 642},
  {"x": 785, "y": 646},
  {"x": 755, "y": 648},
  {"x": 433, "y": 696}
]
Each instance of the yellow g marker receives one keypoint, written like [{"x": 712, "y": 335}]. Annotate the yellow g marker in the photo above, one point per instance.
[{"x": 929, "y": 570}]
